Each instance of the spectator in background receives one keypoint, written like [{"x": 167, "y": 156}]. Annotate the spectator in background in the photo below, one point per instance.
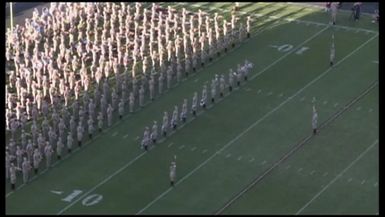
[
  {"x": 376, "y": 16},
  {"x": 327, "y": 6},
  {"x": 236, "y": 7},
  {"x": 334, "y": 12},
  {"x": 356, "y": 10}
]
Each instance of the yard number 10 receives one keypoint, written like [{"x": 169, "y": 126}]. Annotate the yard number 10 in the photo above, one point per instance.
[{"x": 88, "y": 201}]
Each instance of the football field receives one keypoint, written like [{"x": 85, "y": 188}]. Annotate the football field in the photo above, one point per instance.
[{"x": 252, "y": 151}]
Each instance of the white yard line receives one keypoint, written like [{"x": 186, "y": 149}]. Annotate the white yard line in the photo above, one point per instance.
[
  {"x": 261, "y": 119},
  {"x": 338, "y": 176}
]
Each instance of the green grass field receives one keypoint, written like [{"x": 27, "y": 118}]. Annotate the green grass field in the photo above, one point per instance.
[{"x": 253, "y": 151}]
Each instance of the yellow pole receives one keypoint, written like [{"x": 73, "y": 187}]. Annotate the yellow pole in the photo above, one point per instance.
[{"x": 11, "y": 8}]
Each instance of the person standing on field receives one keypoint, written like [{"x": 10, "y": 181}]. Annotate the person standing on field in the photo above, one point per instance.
[
  {"x": 222, "y": 84},
  {"x": 334, "y": 9},
  {"x": 121, "y": 109},
  {"x": 174, "y": 119},
  {"x": 131, "y": 102},
  {"x": 26, "y": 168},
  {"x": 80, "y": 131},
  {"x": 29, "y": 150},
  {"x": 8, "y": 159},
  {"x": 146, "y": 138},
  {"x": 91, "y": 128},
  {"x": 36, "y": 160},
  {"x": 183, "y": 114},
  {"x": 231, "y": 80},
  {"x": 194, "y": 103},
  {"x": 154, "y": 132},
  {"x": 213, "y": 90},
  {"x": 165, "y": 124},
  {"x": 100, "y": 121},
  {"x": 69, "y": 142},
  {"x": 12, "y": 172},
  {"x": 172, "y": 173},
  {"x": 314, "y": 121},
  {"x": 59, "y": 148},
  {"x": 109, "y": 115},
  {"x": 332, "y": 52},
  {"x": 141, "y": 96},
  {"x": 204, "y": 97},
  {"x": 48, "y": 154}
]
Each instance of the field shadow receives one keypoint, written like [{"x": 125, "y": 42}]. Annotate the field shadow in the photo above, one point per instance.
[{"x": 270, "y": 24}]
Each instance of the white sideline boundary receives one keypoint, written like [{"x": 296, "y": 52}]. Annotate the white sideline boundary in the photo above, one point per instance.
[{"x": 338, "y": 176}]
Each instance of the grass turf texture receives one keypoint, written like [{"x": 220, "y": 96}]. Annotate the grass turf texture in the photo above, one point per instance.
[{"x": 205, "y": 182}]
